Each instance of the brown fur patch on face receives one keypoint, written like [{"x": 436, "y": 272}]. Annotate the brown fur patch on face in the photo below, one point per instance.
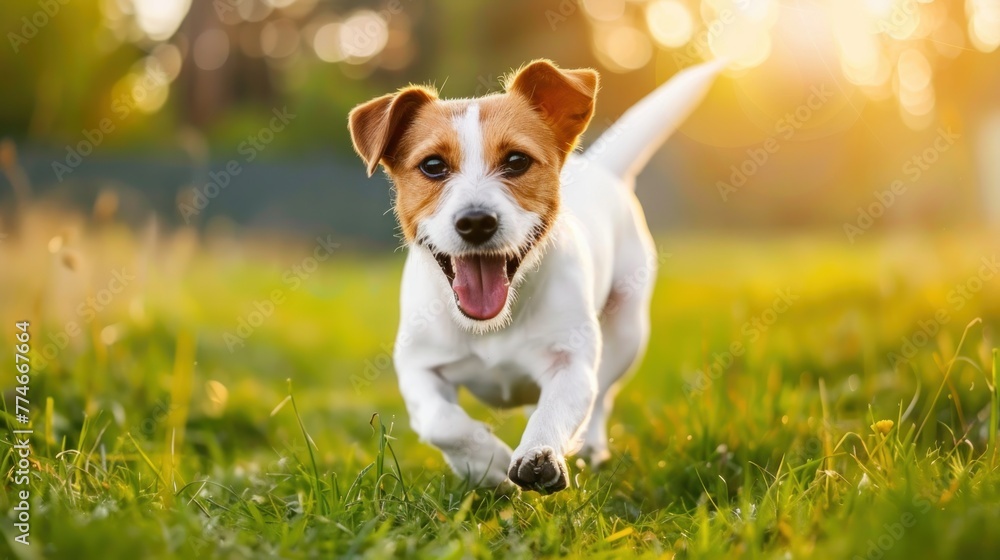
[
  {"x": 511, "y": 125},
  {"x": 542, "y": 115},
  {"x": 431, "y": 133}
]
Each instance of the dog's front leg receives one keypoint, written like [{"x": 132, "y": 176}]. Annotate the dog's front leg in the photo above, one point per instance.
[
  {"x": 469, "y": 446},
  {"x": 568, "y": 390}
]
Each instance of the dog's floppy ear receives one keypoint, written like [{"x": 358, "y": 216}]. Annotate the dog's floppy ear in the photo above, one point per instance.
[
  {"x": 376, "y": 126},
  {"x": 565, "y": 98}
]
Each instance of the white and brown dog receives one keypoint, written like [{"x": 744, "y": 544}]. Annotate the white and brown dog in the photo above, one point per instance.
[{"x": 542, "y": 257}]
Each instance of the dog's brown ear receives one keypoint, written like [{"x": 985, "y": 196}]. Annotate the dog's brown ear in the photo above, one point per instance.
[
  {"x": 565, "y": 98},
  {"x": 376, "y": 126}
]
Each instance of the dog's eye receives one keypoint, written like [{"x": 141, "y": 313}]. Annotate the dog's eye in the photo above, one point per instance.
[
  {"x": 434, "y": 167},
  {"x": 516, "y": 164}
]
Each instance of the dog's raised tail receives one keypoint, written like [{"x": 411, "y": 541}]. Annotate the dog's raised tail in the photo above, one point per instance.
[{"x": 626, "y": 147}]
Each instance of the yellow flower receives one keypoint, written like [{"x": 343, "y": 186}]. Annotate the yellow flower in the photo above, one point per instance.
[{"x": 883, "y": 426}]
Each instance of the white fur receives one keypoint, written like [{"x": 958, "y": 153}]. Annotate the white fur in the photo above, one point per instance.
[
  {"x": 580, "y": 321},
  {"x": 475, "y": 186}
]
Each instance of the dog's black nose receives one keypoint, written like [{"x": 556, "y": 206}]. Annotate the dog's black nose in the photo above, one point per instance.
[{"x": 477, "y": 226}]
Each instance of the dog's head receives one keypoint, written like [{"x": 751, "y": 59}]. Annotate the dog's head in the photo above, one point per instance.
[{"x": 477, "y": 180}]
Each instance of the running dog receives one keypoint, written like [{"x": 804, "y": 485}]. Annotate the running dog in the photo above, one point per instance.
[{"x": 530, "y": 267}]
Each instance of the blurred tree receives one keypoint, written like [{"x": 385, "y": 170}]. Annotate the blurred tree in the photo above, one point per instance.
[
  {"x": 900, "y": 70},
  {"x": 205, "y": 90}
]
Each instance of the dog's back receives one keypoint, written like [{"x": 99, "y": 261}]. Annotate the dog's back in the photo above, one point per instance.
[{"x": 598, "y": 185}]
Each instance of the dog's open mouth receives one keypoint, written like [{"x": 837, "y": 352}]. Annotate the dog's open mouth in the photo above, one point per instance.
[{"x": 481, "y": 282}]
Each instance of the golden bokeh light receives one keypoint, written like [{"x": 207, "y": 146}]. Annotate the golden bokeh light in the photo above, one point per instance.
[
  {"x": 948, "y": 39},
  {"x": 159, "y": 19},
  {"x": 279, "y": 3},
  {"x": 914, "y": 71},
  {"x": 252, "y": 11},
  {"x": 623, "y": 47},
  {"x": 745, "y": 46},
  {"x": 326, "y": 42},
  {"x": 169, "y": 59},
  {"x": 279, "y": 38},
  {"x": 883, "y": 48},
  {"x": 670, "y": 22},
  {"x": 211, "y": 49},
  {"x": 604, "y": 10},
  {"x": 145, "y": 88},
  {"x": 984, "y": 24},
  {"x": 363, "y": 35}
]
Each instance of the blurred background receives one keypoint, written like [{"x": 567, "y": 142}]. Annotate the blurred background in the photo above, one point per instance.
[
  {"x": 184, "y": 224},
  {"x": 142, "y": 104}
]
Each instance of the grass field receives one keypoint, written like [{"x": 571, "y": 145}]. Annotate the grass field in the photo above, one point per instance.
[{"x": 770, "y": 418}]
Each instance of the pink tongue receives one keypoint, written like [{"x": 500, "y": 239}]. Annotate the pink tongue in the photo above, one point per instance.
[{"x": 481, "y": 285}]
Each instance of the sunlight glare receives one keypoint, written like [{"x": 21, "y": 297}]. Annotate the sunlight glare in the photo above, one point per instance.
[
  {"x": 984, "y": 24},
  {"x": 670, "y": 22},
  {"x": 159, "y": 19}
]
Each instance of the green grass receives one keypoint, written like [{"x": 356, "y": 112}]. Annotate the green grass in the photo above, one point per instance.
[{"x": 161, "y": 443}]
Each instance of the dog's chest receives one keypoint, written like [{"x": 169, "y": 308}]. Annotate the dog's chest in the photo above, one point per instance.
[{"x": 494, "y": 376}]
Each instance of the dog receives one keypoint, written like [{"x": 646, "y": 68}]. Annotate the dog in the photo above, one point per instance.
[{"x": 530, "y": 267}]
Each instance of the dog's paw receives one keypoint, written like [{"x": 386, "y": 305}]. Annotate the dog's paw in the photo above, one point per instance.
[{"x": 540, "y": 469}]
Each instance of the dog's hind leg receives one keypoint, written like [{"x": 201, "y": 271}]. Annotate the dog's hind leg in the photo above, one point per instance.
[
  {"x": 624, "y": 150},
  {"x": 625, "y": 332}
]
